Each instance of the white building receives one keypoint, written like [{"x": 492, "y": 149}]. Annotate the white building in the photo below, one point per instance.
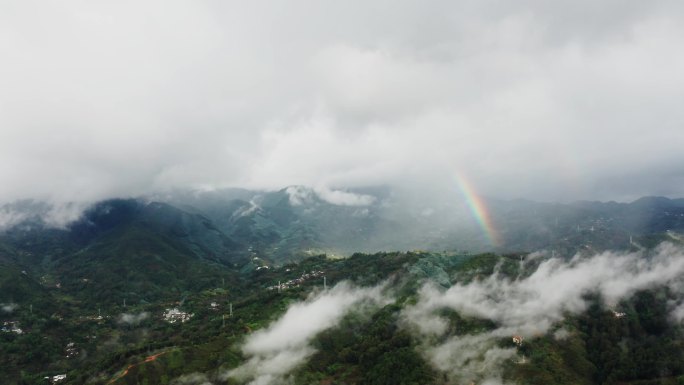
[{"x": 175, "y": 315}]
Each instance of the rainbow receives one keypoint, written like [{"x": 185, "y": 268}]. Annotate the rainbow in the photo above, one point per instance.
[{"x": 478, "y": 208}]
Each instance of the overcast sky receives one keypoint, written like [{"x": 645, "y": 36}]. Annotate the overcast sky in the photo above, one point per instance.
[{"x": 544, "y": 100}]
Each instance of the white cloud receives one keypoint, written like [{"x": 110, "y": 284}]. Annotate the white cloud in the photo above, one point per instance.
[
  {"x": 59, "y": 215},
  {"x": 299, "y": 195},
  {"x": 533, "y": 304},
  {"x": 344, "y": 198},
  {"x": 550, "y": 102},
  {"x": 192, "y": 379},
  {"x": 9, "y": 217},
  {"x": 678, "y": 313},
  {"x": 561, "y": 334},
  {"x": 275, "y": 351},
  {"x": 9, "y": 307},
  {"x": 471, "y": 357},
  {"x": 53, "y": 214},
  {"x": 133, "y": 319}
]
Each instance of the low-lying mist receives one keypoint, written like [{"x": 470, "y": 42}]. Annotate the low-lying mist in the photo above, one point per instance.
[
  {"x": 285, "y": 344},
  {"x": 132, "y": 319},
  {"x": 533, "y": 305},
  {"x": 529, "y": 305}
]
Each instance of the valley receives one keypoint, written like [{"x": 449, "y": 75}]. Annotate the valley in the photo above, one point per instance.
[{"x": 147, "y": 293}]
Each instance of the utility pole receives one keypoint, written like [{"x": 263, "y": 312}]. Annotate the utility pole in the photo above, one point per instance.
[
  {"x": 230, "y": 309},
  {"x": 325, "y": 284}
]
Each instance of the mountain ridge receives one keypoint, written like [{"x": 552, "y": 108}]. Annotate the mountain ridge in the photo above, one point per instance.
[{"x": 290, "y": 223}]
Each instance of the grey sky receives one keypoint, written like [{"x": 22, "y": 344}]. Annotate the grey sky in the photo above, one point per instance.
[{"x": 546, "y": 100}]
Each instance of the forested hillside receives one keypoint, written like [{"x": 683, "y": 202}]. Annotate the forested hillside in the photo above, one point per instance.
[{"x": 375, "y": 321}]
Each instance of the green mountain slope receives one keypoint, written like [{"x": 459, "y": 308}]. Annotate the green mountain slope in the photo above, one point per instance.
[{"x": 95, "y": 301}]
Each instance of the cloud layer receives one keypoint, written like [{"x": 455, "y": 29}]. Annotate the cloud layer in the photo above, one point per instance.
[
  {"x": 277, "y": 350},
  {"x": 532, "y": 305},
  {"x": 566, "y": 101}
]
